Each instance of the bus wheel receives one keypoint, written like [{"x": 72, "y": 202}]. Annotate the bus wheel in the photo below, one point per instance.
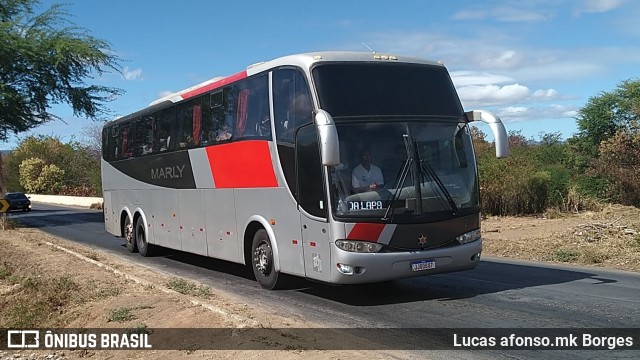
[
  {"x": 144, "y": 247},
  {"x": 262, "y": 260},
  {"x": 129, "y": 237}
]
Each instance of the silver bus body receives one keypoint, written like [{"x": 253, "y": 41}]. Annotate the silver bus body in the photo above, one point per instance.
[{"x": 172, "y": 179}]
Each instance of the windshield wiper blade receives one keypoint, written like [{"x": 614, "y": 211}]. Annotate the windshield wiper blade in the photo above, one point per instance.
[
  {"x": 401, "y": 178},
  {"x": 424, "y": 165}
]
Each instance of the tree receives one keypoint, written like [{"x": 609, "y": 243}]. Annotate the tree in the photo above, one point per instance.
[
  {"x": 81, "y": 167},
  {"x": 45, "y": 61},
  {"x": 599, "y": 121},
  {"x": 606, "y": 114},
  {"x": 92, "y": 134},
  {"x": 40, "y": 178},
  {"x": 619, "y": 161}
]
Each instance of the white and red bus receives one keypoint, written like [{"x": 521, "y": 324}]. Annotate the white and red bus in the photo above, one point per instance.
[{"x": 259, "y": 168}]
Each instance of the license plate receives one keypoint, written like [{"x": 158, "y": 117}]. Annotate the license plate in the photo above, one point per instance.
[{"x": 423, "y": 265}]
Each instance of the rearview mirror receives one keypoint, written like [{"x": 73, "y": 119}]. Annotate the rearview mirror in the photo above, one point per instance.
[{"x": 329, "y": 143}]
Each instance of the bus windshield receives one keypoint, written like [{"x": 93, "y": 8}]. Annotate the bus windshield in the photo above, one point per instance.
[
  {"x": 404, "y": 171},
  {"x": 385, "y": 89}
]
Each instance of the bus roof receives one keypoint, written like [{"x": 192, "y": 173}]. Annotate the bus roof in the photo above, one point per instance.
[{"x": 304, "y": 60}]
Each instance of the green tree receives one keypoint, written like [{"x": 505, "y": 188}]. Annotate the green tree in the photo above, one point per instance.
[
  {"x": 603, "y": 117},
  {"x": 48, "y": 148},
  {"x": 38, "y": 177},
  {"x": 45, "y": 60},
  {"x": 81, "y": 166},
  {"x": 605, "y": 114}
]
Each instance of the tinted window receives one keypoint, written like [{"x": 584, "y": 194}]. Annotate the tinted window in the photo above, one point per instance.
[
  {"x": 309, "y": 168},
  {"x": 16, "y": 196},
  {"x": 106, "y": 144},
  {"x": 144, "y": 136},
  {"x": 252, "y": 108},
  {"x": 126, "y": 141},
  {"x": 206, "y": 130},
  {"x": 166, "y": 130},
  {"x": 237, "y": 111},
  {"x": 292, "y": 105},
  {"x": 189, "y": 116},
  {"x": 386, "y": 89}
]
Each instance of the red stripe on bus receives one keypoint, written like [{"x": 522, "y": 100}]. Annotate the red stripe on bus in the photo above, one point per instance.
[
  {"x": 243, "y": 164},
  {"x": 214, "y": 85},
  {"x": 370, "y": 232}
]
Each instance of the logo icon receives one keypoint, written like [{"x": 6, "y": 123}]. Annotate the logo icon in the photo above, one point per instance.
[
  {"x": 24, "y": 339},
  {"x": 422, "y": 240}
]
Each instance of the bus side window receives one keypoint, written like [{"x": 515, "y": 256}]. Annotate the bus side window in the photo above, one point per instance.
[
  {"x": 107, "y": 144},
  {"x": 127, "y": 141},
  {"x": 206, "y": 129},
  {"x": 189, "y": 117},
  {"x": 259, "y": 122},
  {"x": 116, "y": 143},
  {"x": 143, "y": 144},
  {"x": 165, "y": 134},
  {"x": 222, "y": 118},
  {"x": 242, "y": 114},
  {"x": 292, "y": 102}
]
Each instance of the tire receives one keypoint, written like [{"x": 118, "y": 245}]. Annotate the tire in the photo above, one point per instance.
[
  {"x": 144, "y": 248},
  {"x": 262, "y": 260},
  {"x": 129, "y": 235}
]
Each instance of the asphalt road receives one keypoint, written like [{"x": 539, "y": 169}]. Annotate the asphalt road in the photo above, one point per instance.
[{"x": 497, "y": 294}]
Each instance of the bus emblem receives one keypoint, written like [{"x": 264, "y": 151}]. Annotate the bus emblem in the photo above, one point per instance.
[{"x": 422, "y": 240}]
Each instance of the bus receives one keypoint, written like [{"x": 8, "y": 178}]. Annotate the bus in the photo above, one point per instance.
[{"x": 259, "y": 168}]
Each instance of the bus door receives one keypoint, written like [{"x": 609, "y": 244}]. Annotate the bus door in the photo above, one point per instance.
[{"x": 313, "y": 205}]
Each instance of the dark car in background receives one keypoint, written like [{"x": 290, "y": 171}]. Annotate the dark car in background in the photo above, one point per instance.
[{"x": 18, "y": 201}]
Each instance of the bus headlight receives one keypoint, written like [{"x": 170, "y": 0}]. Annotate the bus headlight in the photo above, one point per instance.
[
  {"x": 358, "y": 246},
  {"x": 469, "y": 237}
]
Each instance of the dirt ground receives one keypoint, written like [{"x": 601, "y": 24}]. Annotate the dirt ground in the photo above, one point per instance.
[
  {"x": 608, "y": 238},
  {"x": 43, "y": 283},
  {"x": 50, "y": 282}
]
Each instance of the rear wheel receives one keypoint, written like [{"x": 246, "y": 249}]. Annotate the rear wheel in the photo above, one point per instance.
[
  {"x": 129, "y": 236},
  {"x": 262, "y": 260},
  {"x": 144, "y": 248}
]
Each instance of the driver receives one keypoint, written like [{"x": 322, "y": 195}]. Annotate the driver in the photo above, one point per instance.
[{"x": 366, "y": 176}]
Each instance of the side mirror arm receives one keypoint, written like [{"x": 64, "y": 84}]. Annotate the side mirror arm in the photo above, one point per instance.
[{"x": 497, "y": 128}]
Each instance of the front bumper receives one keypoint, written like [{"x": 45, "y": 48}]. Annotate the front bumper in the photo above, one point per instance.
[
  {"x": 376, "y": 267},
  {"x": 20, "y": 206}
]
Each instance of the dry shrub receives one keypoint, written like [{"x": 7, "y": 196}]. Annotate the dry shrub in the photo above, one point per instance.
[
  {"x": 577, "y": 201},
  {"x": 619, "y": 161}
]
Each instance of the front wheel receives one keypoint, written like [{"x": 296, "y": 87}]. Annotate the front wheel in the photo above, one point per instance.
[{"x": 262, "y": 260}]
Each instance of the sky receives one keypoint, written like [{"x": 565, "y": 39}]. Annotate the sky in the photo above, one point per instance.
[{"x": 534, "y": 63}]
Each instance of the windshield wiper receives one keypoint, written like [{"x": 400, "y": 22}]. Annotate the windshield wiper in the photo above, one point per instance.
[
  {"x": 401, "y": 177},
  {"x": 424, "y": 166}
]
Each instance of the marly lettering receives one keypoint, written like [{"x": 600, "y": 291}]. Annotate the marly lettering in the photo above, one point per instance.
[{"x": 169, "y": 172}]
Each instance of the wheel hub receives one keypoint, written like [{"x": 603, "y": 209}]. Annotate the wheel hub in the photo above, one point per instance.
[
  {"x": 262, "y": 258},
  {"x": 128, "y": 233}
]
